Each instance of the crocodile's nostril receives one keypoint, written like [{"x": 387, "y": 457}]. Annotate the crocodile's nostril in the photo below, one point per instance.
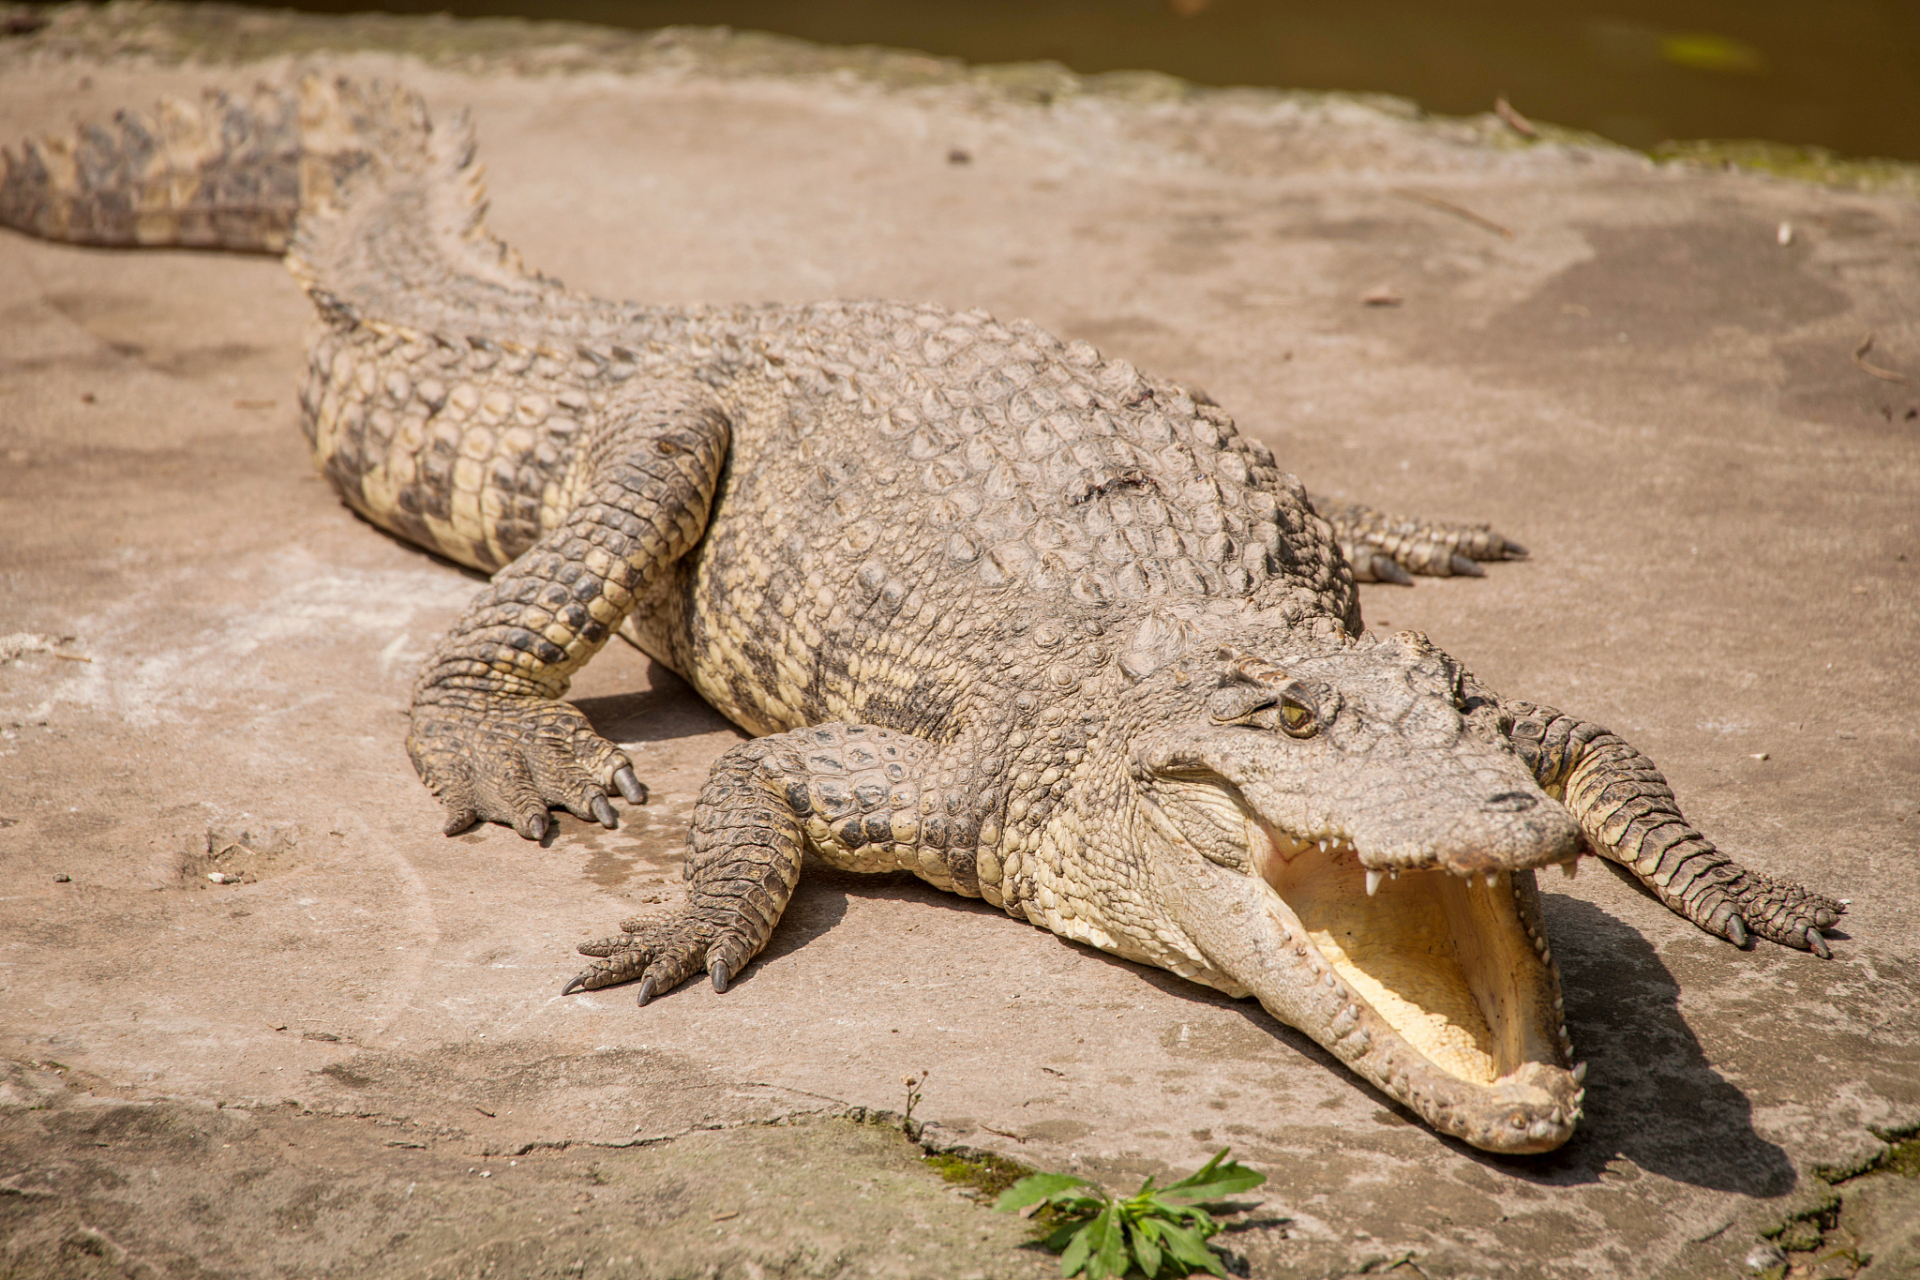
[{"x": 1511, "y": 802}]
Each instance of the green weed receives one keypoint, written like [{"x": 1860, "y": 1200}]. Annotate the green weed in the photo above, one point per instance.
[{"x": 1160, "y": 1230}]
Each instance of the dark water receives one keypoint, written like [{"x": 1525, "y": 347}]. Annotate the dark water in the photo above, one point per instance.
[{"x": 1843, "y": 74}]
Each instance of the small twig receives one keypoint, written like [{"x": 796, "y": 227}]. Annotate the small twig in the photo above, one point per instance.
[
  {"x": 78, "y": 657},
  {"x": 913, "y": 1084},
  {"x": 1003, "y": 1133},
  {"x": 1450, "y": 207},
  {"x": 1514, "y": 120},
  {"x": 1860, "y": 360},
  {"x": 483, "y": 1111}
]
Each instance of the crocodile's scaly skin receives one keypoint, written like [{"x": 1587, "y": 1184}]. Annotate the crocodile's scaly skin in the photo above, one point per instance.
[
  {"x": 1626, "y": 808},
  {"x": 1006, "y": 613}
]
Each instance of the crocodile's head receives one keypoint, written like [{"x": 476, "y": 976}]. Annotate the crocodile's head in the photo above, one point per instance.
[{"x": 1341, "y": 833}]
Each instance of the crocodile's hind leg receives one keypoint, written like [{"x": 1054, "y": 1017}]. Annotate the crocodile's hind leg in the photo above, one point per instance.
[
  {"x": 1390, "y": 548},
  {"x": 865, "y": 797},
  {"x": 490, "y": 735},
  {"x": 1629, "y": 815}
]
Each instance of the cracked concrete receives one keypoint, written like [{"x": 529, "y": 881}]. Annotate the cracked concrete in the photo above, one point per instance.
[
  {"x": 1642, "y": 384},
  {"x": 115, "y": 1185}
]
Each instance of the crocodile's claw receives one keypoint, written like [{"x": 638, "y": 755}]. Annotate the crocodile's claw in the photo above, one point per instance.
[
  {"x": 1787, "y": 913},
  {"x": 631, "y": 788},
  {"x": 1390, "y": 548},
  {"x": 498, "y": 758},
  {"x": 662, "y": 952},
  {"x": 1741, "y": 904}
]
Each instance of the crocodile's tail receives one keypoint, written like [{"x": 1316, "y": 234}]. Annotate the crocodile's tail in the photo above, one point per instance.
[
  {"x": 380, "y": 213},
  {"x": 230, "y": 172},
  {"x": 407, "y": 240}
]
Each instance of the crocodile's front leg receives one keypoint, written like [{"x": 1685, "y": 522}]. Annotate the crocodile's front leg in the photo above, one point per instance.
[
  {"x": 490, "y": 735},
  {"x": 862, "y": 797},
  {"x": 1629, "y": 815}
]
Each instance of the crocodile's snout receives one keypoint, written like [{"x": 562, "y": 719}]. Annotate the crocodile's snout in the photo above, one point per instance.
[{"x": 1372, "y": 884}]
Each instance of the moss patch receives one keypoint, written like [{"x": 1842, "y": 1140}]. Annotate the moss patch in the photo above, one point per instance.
[
  {"x": 1902, "y": 1159},
  {"x": 1802, "y": 164},
  {"x": 214, "y": 34},
  {"x": 1820, "y": 1238},
  {"x": 983, "y": 1173}
]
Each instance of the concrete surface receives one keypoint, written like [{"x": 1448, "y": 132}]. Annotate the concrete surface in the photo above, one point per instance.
[{"x": 1642, "y": 384}]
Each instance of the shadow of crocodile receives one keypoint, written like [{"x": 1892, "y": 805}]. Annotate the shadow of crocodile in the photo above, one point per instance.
[
  {"x": 1652, "y": 1096},
  {"x": 668, "y": 710}
]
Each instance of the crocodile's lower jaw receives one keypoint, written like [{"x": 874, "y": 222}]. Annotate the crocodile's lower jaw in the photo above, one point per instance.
[{"x": 1452, "y": 984}]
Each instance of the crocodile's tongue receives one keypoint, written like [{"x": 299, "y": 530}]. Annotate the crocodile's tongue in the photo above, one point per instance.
[{"x": 1438, "y": 988}]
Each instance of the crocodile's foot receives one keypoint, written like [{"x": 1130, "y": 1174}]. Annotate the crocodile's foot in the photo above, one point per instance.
[
  {"x": 498, "y": 758},
  {"x": 664, "y": 952},
  {"x": 1787, "y": 913},
  {"x": 1729, "y": 901},
  {"x": 1778, "y": 910},
  {"x": 1390, "y": 548}
]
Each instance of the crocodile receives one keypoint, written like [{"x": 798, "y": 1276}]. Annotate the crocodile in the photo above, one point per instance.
[{"x": 998, "y": 610}]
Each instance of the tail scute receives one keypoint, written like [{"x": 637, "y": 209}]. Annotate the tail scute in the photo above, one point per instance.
[
  {"x": 427, "y": 208},
  {"x": 345, "y": 126},
  {"x": 224, "y": 174},
  {"x": 230, "y": 172}
]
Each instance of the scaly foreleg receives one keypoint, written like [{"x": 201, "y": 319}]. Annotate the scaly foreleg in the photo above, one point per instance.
[{"x": 1629, "y": 815}]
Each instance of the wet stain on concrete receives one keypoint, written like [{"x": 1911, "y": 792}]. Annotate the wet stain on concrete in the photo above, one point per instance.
[{"x": 1662, "y": 287}]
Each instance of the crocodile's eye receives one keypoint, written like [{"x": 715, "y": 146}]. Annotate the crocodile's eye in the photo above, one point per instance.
[{"x": 1297, "y": 716}]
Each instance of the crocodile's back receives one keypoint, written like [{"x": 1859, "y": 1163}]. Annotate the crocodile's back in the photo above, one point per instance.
[
  {"x": 912, "y": 491},
  {"x": 907, "y": 488}
]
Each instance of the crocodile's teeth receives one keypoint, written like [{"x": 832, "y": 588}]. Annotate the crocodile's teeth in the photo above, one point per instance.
[{"x": 1373, "y": 882}]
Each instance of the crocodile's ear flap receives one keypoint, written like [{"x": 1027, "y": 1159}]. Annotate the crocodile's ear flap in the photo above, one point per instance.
[
  {"x": 1416, "y": 645},
  {"x": 1249, "y": 689},
  {"x": 1470, "y": 697},
  {"x": 1237, "y": 666}
]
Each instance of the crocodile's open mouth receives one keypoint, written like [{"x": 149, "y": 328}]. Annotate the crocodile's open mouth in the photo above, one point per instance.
[
  {"x": 1448, "y": 962},
  {"x": 1421, "y": 963}
]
